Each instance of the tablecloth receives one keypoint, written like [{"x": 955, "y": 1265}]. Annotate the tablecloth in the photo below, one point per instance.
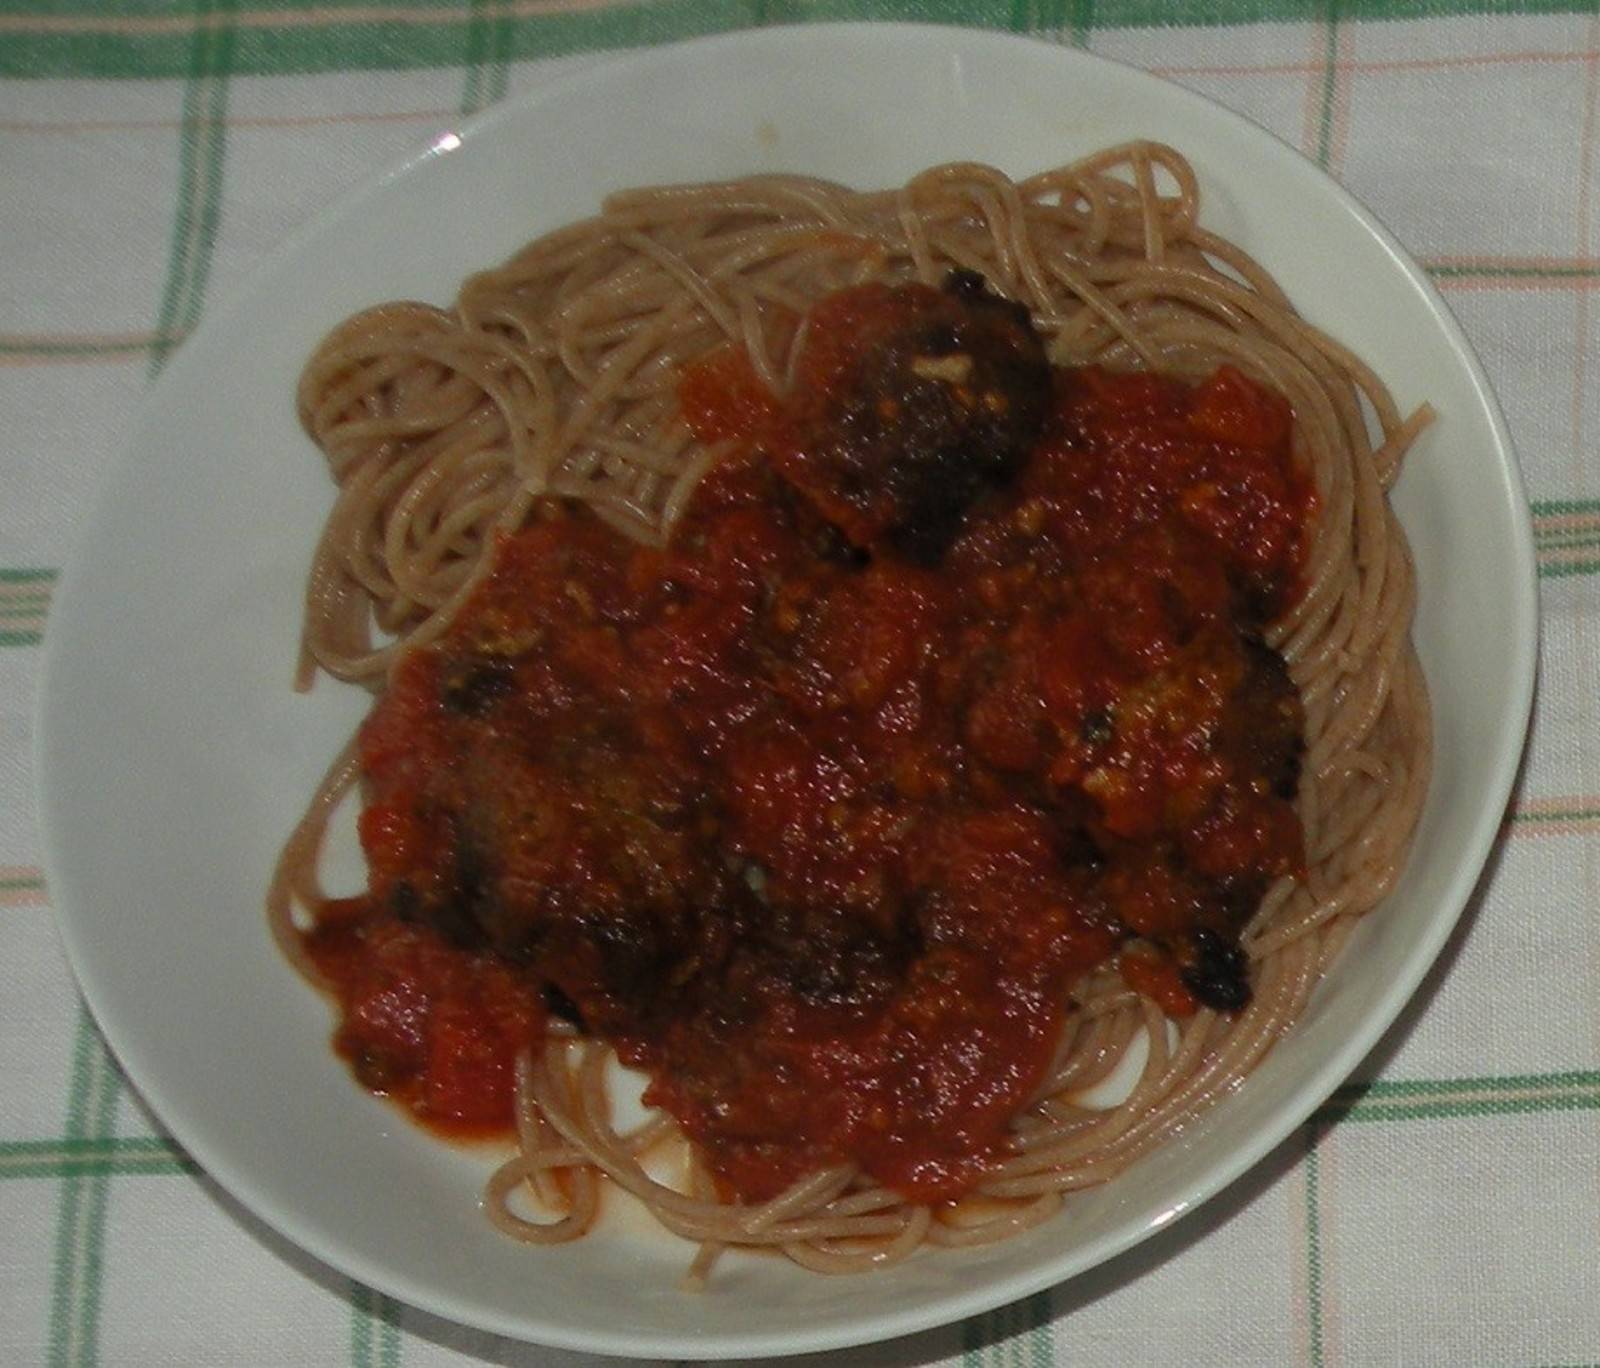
[{"x": 1443, "y": 1208}]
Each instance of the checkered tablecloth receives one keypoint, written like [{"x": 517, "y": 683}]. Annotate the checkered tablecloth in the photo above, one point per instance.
[{"x": 1443, "y": 1209}]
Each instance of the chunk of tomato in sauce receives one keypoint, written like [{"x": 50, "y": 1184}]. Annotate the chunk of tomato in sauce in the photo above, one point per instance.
[
  {"x": 433, "y": 1026},
  {"x": 1230, "y": 407}
]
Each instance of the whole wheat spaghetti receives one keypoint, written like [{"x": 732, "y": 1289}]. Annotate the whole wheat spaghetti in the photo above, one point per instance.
[{"x": 556, "y": 376}]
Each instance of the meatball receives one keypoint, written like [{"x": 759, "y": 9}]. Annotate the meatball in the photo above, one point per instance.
[
  {"x": 912, "y": 402},
  {"x": 590, "y": 861}
]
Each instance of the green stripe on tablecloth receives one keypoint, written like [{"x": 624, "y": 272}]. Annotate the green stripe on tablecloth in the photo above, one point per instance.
[
  {"x": 388, "y": 1333},
  {"x": 1531, "y": 271},
  {"x": 375, "y": 1340},
  {"x": 24, "y": 599},
  {"x": 1009, "y": 1351},
  {"x": 24, "y": 883},
  {"x": 1455, "y": 1111},
  {"x": 91, "y": 1265},
  {"x": 971, "y": 1342},
  {"x": 995, "y": 1330},
  {"x": 24, "y": 614},
  {"x": 1005, "y": 1350},
  {"x": 104, "y": 1147},
  {"x": 114, "y": 1156},
  {"x": 1311, "y": 1171},
  {"x": 44, "y": 40},
  {"x": 1550, "y": 508},
  {"x": 1576, "y": 814},
  {"x": 487, "y": 56},
  {"x": 1080, "y": 21},
  {"x": 43, "y": 347},
  {"x": 1017, "y": 1335},
  {"x": 1041, "y": 1333},
  {"x": 269, "y": 48},
  {"x": 1108, "y": 12},
  {"x": 1443, "y": 1099},
  {"x": 1556, "y": 551},
  {"x": 1329, "y": 83},
  {"x": 93, "y": 1089},
  {"x": 360, "y": 1325},
  {"x": 1564, "y": 570},
  {"x": 1567, "y": 540},
  {"x": 1555, "y": 545},
  {"x": 1437, "y": 1087},
  {"x": 987, "y": 1340},
  {"x": 477, "y": 40},
  {"x": 201, "y": 152}
]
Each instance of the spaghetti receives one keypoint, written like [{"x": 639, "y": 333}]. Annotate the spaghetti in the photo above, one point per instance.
[{"x": 559, "y": 375}]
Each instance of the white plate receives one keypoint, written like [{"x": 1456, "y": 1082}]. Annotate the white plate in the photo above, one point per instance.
[{"x": 174, "y": 757}]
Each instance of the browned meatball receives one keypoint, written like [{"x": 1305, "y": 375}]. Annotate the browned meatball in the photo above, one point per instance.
[{"x": 914, "y": 401}]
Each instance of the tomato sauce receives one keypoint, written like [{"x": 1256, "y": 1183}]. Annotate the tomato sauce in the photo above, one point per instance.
[{"x": 819, "y": 818}]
